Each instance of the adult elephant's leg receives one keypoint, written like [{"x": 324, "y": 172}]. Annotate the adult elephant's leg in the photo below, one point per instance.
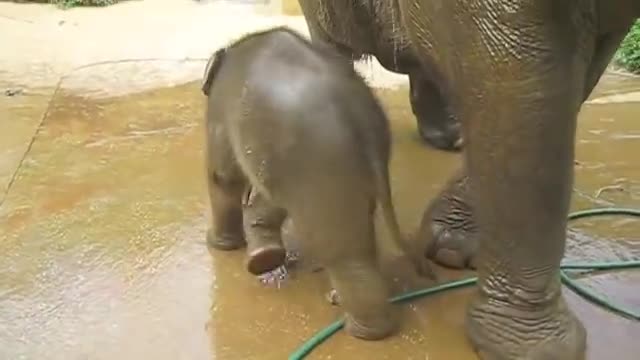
[
  {"x": 436, "y": 125},
  {"x": 448, "y": 226},
  {"x": 520, "y": 163},
  {"x": 518, "y": 76},
  {"x": 317, "y": 34}
]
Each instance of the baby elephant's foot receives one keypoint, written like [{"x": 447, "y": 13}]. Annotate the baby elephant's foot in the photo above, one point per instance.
[
  {"x": 500, "y": 332},
  {"x": 379, "y": 326},
  {"x": 225, "y": 241},
  {"x": 266, "y": 258},
  {"x": 375, "y": 329},
  {"x": 282, "y": 273}
]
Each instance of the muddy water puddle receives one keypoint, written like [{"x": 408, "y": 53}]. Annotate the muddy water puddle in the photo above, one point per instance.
[{"x": 104, "y": 257}]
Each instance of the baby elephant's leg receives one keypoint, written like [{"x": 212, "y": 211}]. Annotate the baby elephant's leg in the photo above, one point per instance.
[
  {"x": 341, "y": 237},
  {"x": 363, "y": 295},
  {"x": 226, "y": 184},
  {"x": 225, "y": 195},
  {"x": 263, "y": 230}
]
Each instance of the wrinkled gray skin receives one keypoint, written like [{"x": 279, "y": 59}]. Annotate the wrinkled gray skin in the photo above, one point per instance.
[
  {"x": 515, "y": 72},
  {"x": 293, "y": 131},
  {"x": 388, "y": 42},
  {"x": 448, "y": 227}
]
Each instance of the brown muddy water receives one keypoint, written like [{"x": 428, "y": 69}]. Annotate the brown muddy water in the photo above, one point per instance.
[{"x": 103, "y": 254}]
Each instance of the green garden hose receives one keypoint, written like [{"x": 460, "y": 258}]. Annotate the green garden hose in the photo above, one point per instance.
[{"x": 324, "y": 334}]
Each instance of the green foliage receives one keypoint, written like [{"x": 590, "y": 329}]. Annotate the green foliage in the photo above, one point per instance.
[
  {"x": 628, "y": 55},
  {"x": 73, "y": 3}
]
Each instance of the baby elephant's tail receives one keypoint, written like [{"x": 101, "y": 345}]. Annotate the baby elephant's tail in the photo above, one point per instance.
[{"x": 397, "y": 247}]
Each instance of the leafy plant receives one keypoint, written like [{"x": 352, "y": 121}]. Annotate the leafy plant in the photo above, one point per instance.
[
  {"x": 628, "y": 55},
  {"x": 73, "y": 3}
]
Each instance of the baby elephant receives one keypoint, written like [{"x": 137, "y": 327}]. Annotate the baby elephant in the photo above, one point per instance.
[{"x": 293, "y": 131}]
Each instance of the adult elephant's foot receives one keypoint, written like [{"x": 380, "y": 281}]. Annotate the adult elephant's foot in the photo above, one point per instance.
[
  {"x": 436, "y": 125},
  {"x": 502, "y": 331},
  {"x": 448, "y": 228},
  {"x": 443, "y": 135}
]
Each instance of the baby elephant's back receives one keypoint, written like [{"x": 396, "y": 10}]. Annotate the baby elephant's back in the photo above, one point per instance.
[{"x": 304, "y": 126}]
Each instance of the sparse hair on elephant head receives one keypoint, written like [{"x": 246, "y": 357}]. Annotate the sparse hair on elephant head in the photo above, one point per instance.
[{"x": 213, "y": 65}]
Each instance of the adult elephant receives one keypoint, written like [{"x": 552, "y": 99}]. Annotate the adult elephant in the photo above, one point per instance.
[
  {"x": 363, "y": 28},
  {"x": 515, "y": 72}
]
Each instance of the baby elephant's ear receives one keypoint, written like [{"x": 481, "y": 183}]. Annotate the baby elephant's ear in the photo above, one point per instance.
[{"x": 213, "y": 65}]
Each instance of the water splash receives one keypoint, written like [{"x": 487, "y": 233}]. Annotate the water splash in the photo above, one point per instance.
[{"x": 280, "y": 275}]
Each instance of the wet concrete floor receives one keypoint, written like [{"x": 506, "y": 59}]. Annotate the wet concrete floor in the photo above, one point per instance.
[{"x": 102, "y": 237}]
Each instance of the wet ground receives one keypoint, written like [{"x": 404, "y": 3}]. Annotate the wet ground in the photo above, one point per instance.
[{"x": 102, "y": 229}]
